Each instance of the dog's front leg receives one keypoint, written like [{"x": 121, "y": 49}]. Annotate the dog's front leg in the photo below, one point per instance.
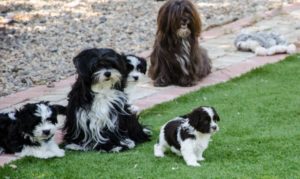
[
  {"x": 53, "y": 147},
  {"x": 188, "y": 153},
  {"x": 38, "y": 152},
  {"x": 200, "y": 154}
]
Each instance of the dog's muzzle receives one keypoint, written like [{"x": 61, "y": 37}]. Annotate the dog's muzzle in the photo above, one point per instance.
[
  {"x": 107, "y": 75},
  {"x": 184, "y": 31},
  {"x": 214, "y": 128}
]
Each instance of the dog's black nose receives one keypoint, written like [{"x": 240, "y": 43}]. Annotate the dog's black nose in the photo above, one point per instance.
[
  {"x": 107, "y": 73},
  {"x": 135, "y": 78},
  {"x": 214, "y": 128},
  {"x": 184, "y": 21},
  {"x": 46, "y": 132}
]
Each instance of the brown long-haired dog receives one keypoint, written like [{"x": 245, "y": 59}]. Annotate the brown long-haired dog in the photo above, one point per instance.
[{"x": 177, "y": 57}]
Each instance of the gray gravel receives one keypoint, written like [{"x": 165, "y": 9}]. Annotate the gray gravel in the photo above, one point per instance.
[{"x": 38, "y": 39}]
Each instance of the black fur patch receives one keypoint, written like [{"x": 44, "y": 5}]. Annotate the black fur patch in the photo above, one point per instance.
[
  {"x": 184, "y": 134},
  {"x": 171, "y": 130}
]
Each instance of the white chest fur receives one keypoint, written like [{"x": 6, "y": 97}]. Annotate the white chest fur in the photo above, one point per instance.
[
  {"x": 202, "y": 140},
  {"x": 102, "y": 114},
  {"x": 183, "y": 57}
]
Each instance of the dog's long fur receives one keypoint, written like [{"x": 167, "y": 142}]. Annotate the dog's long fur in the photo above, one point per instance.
[
  {"x": 30, "y": 130},
  {"x": 98, "y": 115},
  {"x": 188, "y": 136},
  {"x": 177, "y": 57}
]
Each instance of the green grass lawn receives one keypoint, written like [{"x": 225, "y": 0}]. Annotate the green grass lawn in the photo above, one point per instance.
[{"x": 259, "y": 135}]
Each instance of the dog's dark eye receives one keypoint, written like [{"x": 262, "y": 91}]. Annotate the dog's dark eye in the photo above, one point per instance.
[
  {"x": 140, "y": 68},
  {"x": 129, "y": 67},
  {"x": 53, "y": 120}
]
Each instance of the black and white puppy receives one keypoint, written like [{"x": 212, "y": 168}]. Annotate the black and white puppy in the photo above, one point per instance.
[
  {"x": 188, "y": 135},
  {"x": 98, "y": 114},
  {"x": 30, "y": 131},
  {"x": 136, "y": 68}
]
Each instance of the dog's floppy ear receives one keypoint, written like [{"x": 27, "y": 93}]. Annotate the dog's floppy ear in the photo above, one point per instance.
[
  {"x": 29, "y": 109},
  {"x": 194, "y": 117},
  {"x": 216, "y": 115},
  {"x": 125, "y": 62},
  {"x": 26, "y": 110},
  {"x": 85, "y": 61},
  {"x": 143, "y": 64},
  {"x": 59, "y": 109},
  {"x": 24, "y": 118}
]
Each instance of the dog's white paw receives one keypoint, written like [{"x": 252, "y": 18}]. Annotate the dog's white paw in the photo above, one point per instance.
[
  {"x": 60, "y": 153},
  {"x": 44, "y": 155},
  {"x": 193, "y": 164},
  {"x": 160, "y": 155},
  {"x": 35, "y": 153},
  {"x": 74, "y": 147},
  {"x": 116, "y": 149},
  {"x": 128, "y": 143},
  {"x": 200, "y": 158},
  {"x": 158, "y": 152},
  {"x": 134, "y": 109},
  {"x": 147, "y": 131}
]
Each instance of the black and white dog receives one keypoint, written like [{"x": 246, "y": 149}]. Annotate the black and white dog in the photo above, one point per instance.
[
  {"x": 188, "y": 135},
  {"x": 98, "y": 114},
  {"x": 136, "y": 69},
  {"x": 30, "y": 131}
]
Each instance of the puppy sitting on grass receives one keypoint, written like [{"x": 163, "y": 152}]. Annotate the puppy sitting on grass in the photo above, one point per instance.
[{"x": 188, "y": 135}]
